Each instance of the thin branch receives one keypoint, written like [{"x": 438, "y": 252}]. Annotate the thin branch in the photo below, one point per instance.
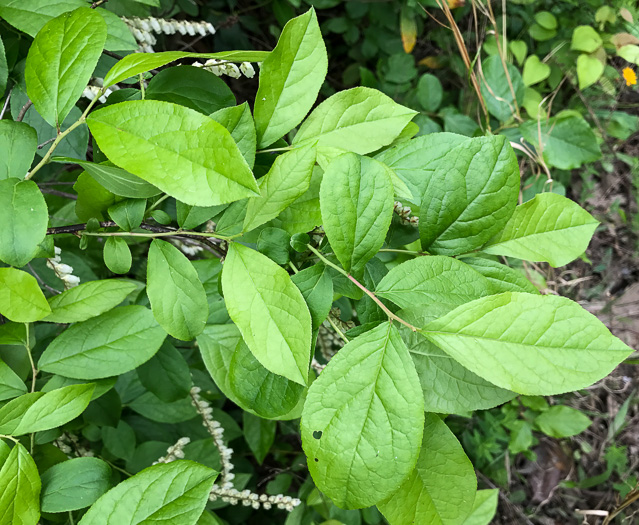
[
  {"x": 6, "y": 104},
  {"x": 23, "y": 111},
  {"x": 40, "y": 146},
  {"x": 59, "y": 193}
]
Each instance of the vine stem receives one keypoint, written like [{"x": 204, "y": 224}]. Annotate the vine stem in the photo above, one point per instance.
[
  {"x": 34, "y": 370},
  {"x": 377, "y": 301}
]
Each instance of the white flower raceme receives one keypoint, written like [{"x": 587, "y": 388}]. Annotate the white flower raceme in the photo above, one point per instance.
[
  {"x": 224, "y": 67},
  {"x": 174, "y": 451},
  {"x": 405, "y": 216},
  {"x": 64, "y": 272},
  {"x": 142, "y": 29}
]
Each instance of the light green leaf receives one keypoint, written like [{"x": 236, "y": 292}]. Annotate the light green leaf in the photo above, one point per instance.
[
  {"x": 441, "y": 489},
  {"x": 176, "y": 294},
  {"x": 447, "y": 386},
  {"x": 415, "y": 161},
  {"x": 30, "y": 15},
  {"x": 10, "y": 383},
  {"x": 88, "y": 300},
  {"x": 549, "y": 228},
  {"x": 61, "y": 61},
  {"x": 116, "y": 180},
  {"x": 190, "y": 217},
  {"x": 484, "y": 507},
  {"x": 470, "y": 196},
  {"x": 356, "y": 199},
  {"x": 363, "y": 419},
  {"x": 589, "y": 70},
  {"x": 173, "y": 492},
  {"x": 110, "y": 344},
  {"x": 304, "y": 214},
  {"x": 562, "y": 421},
  {"x": 21, "y": 299},
  {"x": 316, "y": 286},
  {"x": 74, "y": 484},
  {"x": 501, "y": 96},
  {"x": 502, "y": 278},
  {"x": 53, "y": 409},
  {"x": 239, "y": 121},
  {"x": 586, "y": 39},
  {"x": 191, "y": 157},
  {"x": 136, "y": 63},
  {"x": 11, "y": 413},
  {"x": 117, "y": 255},
  {"x": 629, "y": 53},
  {"x": 290, "y": 79},
  {"x": 519, "y": 49},
  {"x": 530, "y": 344},
  {"x": 119, "y": 37},
  {"x": 288, "y": 179},
  {"x": 19, "y": 488},
  {"x": 535, "y": 71},
  {"x": 18, "y": 142},
  {"x": 270, "y": 312},
  {"x": 435, "y": 279},
  {"x": 566, "y": 142},
  {"x": 128, "y": 214},
  {"x": 93, "y": 199},
  {"x": 24, "y": 218},
  {"x": 361, "y": 120}
]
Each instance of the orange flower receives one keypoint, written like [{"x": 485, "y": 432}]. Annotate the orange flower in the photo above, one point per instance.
[{"x": 629, "y": 76}]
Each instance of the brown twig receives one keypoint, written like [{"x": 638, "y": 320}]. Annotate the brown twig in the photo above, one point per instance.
[{"x": 24, "y": 110}]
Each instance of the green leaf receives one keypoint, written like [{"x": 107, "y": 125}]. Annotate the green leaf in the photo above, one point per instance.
[
  {"x": 290, "y": 79},
  {"x": 546, "y": 20},
  {"x": 519, "y": 49},
  {"x": 152, "y": 407},
  {"x": 362, "y": 420},
  {"x": 191, "y": 157},
  {"x": 172, "y": 492},
  {"x": 119, "y": 37},
  {"x": 434, "y": 279},
  {"x": 239, "y": 121},
  {"x": 530, "y": 344},
  {"x": 74, "y": 484},
  {"x": 270, "y": 312},
  {"x": 589, "y": 70},
  {"x": 566, "y": 142},
  {"x": 192, "y": 87},
  {"x": 470, "y": 196},
  {"x": 30, "y": 15},
  {"x": 415, "y": 161},
  {"x": 117, "y": 255},
  {"x": 484, "y": 507},
  {"x": 19, "y": 488},
  {"x": 119, "y": 440},
  {"x": 275, "y": 244},
  {"x": 447, "y": 386},
  {"x": 116, "y": 180},
  {"x": 442, "y": 488},
  {"x": 136, "y": 63},
  {"x": 21, "y": 299},
  {"x": 535, "y": 71},
  {"x": 429, "y": 92},
  {"x": 316, "y": 286},
  {"x": 61, "y": 61},
  {"x": 14, "y": 334},
  {"x": 24, "y": 218},
  {"x": 217, "y": 345},
  {"x": 267, "y": 394},
  {"x": 502, "y": 278},
  {"x": 11, "y": 413},
  {"x": 18, "y": 142},
  {"x": 166, "y": 374},
  {"x": 549, "y": 228},
  {"x": 562, "y": 421},
  {"x": 128, "y": 214},
  {"x": 10, "y": 383},
  {"x": 287, "y": 180},
  {"x": 586, "y": 39},
  {"x": 177, "y": 297},
  {"x": 356, "y": 199},
  {"x": 190, "y": 217},
  {"x": 259, "y": 435},
  {"x": 304, "y": 214},
  {"x": 102, "y": 386},
  {"x": 110, "y": 344},
  {"x": 88, "y": 300},
  {"x": 361, "y": 120},
  {"x": 4, "y": 69},
  {"x": 501, "y": 99},
  {"x": 93, "y": 199}
]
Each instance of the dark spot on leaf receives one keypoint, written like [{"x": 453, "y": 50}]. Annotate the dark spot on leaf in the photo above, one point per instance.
[
  {"x": 317, "y": 434},
  {"x": 316, "y": 460}
]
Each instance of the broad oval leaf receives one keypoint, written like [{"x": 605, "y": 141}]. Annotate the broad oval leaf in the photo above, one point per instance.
[
  {"x": 184, "y": 153},
  {"x": 18, "y": 143},
  {"x": 549, "y": 228},
  {"x": 173, "y": 492},
  {"x": 530, "y": 344},
  {"x": 30, "y": 15},
  {"x": 24, "y": 217},
  {"x": 484, "y": 507},
  {"x": 117, "y": 255},
  {"x": 288, "y": 179},
  {"x": 356, "y": 199},
  {"x": 239, "y": 121},
  {"x": 270, "y": 312},
  {"x": 363, "y": 419},
  {"x": 166, "y": 374},
  {"x": 110, "y": 344},
  {"x": 290, "y": 79},
  {"x": 10, "y": 383},
  {"x": 441, "y": 490},
  {"x": 19, "y": 488},
  {"x": 359, "y": 120},
  {"x": 177, "y": 297},
  {"x": 88, "y": 300},
  {"x": 21, "y": 299},
  {"x": 502, "y": 87},
  {"x": 317, "y": 289},
  {"x": 61, "y": 61},
  {"x": 435, "y": 279},
  {"x": 470, "y": 196},
  {"x": 11, "y": 412},
  {"x": 502, "y": 278},
  {"x": 74, "y": 484}
]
